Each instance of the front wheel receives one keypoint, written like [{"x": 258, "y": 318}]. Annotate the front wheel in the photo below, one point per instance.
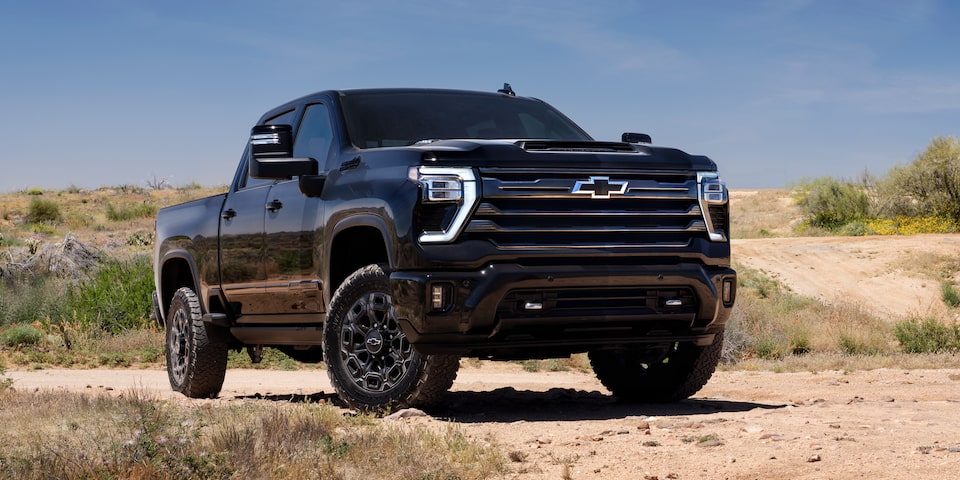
[
  {"x": 671, "y": 373},
  {"x": 370, "y": 362},
  {"x": 196, "y": 351}
]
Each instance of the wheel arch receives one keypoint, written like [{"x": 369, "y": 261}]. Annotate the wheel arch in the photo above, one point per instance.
[
  {"x": 177, "y": 269},
  {"x": 356, "y": 243}
]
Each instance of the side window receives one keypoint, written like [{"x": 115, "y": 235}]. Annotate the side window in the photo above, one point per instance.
[
  {"x": 285, "y": 118},
  {"x": 315, "y": 136}
]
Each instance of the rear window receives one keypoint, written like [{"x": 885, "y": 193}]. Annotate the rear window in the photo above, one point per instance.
[{"x": 389, "y": 119}]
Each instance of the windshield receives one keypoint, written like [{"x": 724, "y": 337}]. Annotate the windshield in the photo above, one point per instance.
[{"x": 388, "y": 119}]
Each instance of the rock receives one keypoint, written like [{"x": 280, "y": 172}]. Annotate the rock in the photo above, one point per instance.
[
  {"x": 752, "y": 428},
  {"x": 405, "y": 413},
  {"x": 813, "y": 458}
]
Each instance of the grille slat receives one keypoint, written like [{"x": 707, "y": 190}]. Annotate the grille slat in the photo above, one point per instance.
[{"x": 524, "y": 208}]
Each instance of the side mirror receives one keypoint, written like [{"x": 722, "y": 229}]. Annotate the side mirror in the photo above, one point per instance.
[
  {"x": 272, "y": 151},
  {"x": 271, "y": 141},
  {"x": 630, "y": 137}
]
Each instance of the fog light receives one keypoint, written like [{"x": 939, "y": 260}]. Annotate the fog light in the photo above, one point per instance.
[
  {"x": 441, "y": 295},
  {"x": 727, "y": 294}
]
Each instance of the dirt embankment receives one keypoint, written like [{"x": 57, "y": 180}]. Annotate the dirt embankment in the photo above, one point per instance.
[{"x": 891, "y": 276}]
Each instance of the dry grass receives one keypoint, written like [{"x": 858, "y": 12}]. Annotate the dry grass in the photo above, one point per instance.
[
  {"x": 71, "y": 435},
  {"x": 836, "y": 361},
  {"x": 86, "y": 214},
  {"x": 771, "y": 323}
]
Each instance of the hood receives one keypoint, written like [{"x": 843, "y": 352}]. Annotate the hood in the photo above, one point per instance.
[{"x": 551, "y": 153}]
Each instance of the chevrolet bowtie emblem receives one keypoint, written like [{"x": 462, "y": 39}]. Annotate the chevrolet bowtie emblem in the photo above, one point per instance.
[{"x": 599, "y": 187}]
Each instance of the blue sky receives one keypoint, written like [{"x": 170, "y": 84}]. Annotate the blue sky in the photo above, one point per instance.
[{"x": 111, "y": 92}]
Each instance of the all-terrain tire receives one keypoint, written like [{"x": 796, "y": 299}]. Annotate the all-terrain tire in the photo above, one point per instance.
[
  {"x": 631, "y": 375},
  {"x": 196, "y": 351},
  {"x": 370, "y": 362}
]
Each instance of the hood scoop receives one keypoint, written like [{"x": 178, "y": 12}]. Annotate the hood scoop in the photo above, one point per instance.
[{"x": 571, "y": 146}]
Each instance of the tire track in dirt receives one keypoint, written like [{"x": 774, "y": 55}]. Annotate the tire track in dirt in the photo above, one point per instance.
[{"x": 887, "y": 276}]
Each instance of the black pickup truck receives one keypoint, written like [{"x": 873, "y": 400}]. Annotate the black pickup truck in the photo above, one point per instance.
[{"x": 389, "y": 232}]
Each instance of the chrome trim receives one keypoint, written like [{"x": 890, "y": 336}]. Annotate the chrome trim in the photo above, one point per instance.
[
  {"x": 565, "y": 188},
  {"x": 599, "y": 181},
  {"x": 491, "y": 226},
  {"x": 605, "y": 246},
  {"x": 705, "y": 202},
  {"x": 265, "y": 139},
  {"x": 488, "y": 209},
  {"x": 466, "y": 204}
]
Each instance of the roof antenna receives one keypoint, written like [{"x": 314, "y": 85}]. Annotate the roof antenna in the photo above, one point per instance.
[{"x": 507, "y": 90}]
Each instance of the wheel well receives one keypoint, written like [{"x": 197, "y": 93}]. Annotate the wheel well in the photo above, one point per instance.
[
  {"x": 353, "y": 249},
  {"x": 176, "y": 273}
]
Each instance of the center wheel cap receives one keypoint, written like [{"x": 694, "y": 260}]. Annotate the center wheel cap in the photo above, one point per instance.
[{"x": 374, "y": 342}]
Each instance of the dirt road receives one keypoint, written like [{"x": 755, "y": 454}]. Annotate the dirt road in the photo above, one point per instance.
[
  {"x": 743, "y": 425},
  {"x": 880, "y": 424}
]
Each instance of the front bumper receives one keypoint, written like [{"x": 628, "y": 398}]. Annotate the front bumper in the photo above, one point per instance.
[{"x": 512, "y": 310}]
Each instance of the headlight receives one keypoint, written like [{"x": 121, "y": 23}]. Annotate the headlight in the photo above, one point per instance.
[
  {"x": 714, "y": 201},
  {"x": 453, "y": 187}
]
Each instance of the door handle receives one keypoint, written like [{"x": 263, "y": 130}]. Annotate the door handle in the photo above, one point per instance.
[
  {"x": 274, "y": 205},
  {"x": 228, "y": 214}
]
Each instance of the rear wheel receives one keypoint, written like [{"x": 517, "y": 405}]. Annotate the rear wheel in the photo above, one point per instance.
[
  {"x": 671, "y": 373},
  {"x": 370, "y": 362},
  {"x": 196, "y": 351}
]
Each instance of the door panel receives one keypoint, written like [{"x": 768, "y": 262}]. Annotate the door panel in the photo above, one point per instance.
[
  {"x": 242, "y": 247},
  {"x": 292, "y": 252}
]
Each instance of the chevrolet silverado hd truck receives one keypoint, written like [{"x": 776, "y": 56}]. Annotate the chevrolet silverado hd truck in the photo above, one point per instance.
[{"x": 390, "y": 232}]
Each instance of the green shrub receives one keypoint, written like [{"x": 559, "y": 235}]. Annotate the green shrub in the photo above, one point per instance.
[
  {"x": 950, "y": 295},
  {"x": 140, "y": 239},
  {"x": 43, "y": 211},
  {"x": 769, "y": 348},
  {"x": 32, "y": 299},
  {"x": 831, "y": 204},
  {"x": 927, "y": 335},
  {"x": 927, "y": 187},
  {"x": 855, "y": 345},
  {"x": 20, "y": 335},
  {"x": 34, "y": 191},
  {"x": 5, "y": 383},
  {"x": 129, "y": 212},
  {"x": 116, "y": 297}
]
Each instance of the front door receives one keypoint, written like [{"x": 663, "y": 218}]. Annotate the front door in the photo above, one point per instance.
[{"x": 294, "y": 226}]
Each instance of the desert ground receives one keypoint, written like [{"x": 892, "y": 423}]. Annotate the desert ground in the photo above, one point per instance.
[{"x": 883, "y": 423}]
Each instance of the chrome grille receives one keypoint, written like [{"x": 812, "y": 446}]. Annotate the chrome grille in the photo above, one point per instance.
[{"x": 546, "y": 208}]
